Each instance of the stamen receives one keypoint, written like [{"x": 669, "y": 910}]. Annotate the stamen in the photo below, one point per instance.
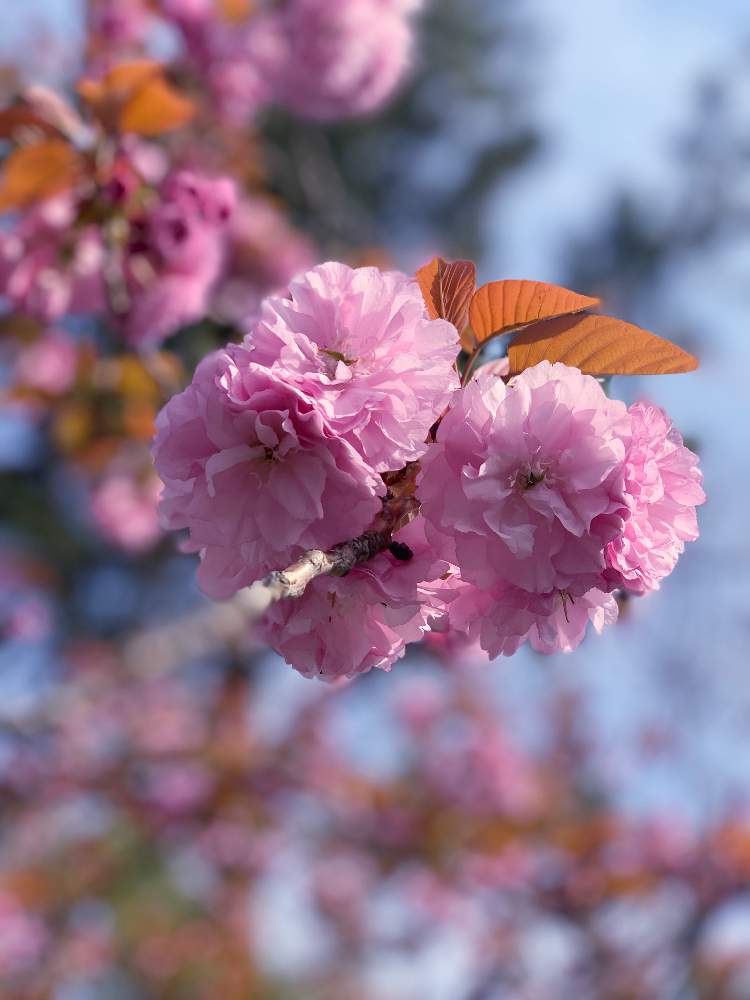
[
  {"x": 338, "y": 356},
  {"x": 530, "y": 479},
  {"x": 565, "y": 597}
]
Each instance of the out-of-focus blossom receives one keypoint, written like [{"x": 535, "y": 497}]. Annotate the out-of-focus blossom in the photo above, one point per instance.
[
  {"x": 663, "y": 487},
  {"x": 177, "y": 788},
  {"x": 49, "y": 268},
  {"x": 251, "y": 468},
  {"x": 174, "y": 256},
  {"x": 124, "y": 508},
  {"x": 238, "y": 64},
  {"x": 48, "y": 364},
  {"x": 25, "y": 610},
  {"x": 341, "y": 883},
  {"x": 482, "y": 772},
  {"x": 22, "y": 938},
  {"x": 359, "y": 342},
  {"x": 118, "y": 26},
  {"x": 341, "y": 57},
  {"x": 322, "y": 59},
  {"x": 264, "y": 253}
]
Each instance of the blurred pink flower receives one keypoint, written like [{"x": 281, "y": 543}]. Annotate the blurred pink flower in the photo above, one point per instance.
[
  {"x": 120, "y": 25},
  {"x": 341, "y": 57},
  {"x": 48, "y": 269},
  {"x": 264, "y": 253},
  {"x": 237, "y": 63},
  {"x": 175, "y": 256},
  {"x": 663, "y": 484},
  {"x": 251, "y": 468},
  {"x": 124, "y": 508},
  {"x": 483, "y": 772},
  {"x": 25, "y": 610},
  {"x": 22, "y": 937},
  {"x": 359, "y": 342},
  {"x": 179, "y": 787},
  {"x": 342, "y": 881},
  {"x": 49, "y": 363},
  {"x": 420, "y": 703}
]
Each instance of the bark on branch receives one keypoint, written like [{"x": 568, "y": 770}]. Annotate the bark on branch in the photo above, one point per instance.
[{"x": 338, "y": 561}]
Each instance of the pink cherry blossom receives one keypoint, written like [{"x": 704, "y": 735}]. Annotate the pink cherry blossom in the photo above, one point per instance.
[
  {"x": 46, "y": 268},
  {"x": 504, "y": 618},
  {"x": 360, "y": 342},
  {"x": 500, "y": 618},
  {"x": 49, "y": 363},
  {"x": 342, "y": 57},
  {"x": 23, "y": 937},
  {"x": 175, "y": 256},
  {"x": 238, "y": 63},
  {"x": 343, "y": 626},
  {"x": 26, "y": 613},
  {"x": 253, "y": 471},
  {"x": 124, "y": 509},
  {"x": 481, "y": 771},
  {"x": 563, "y": 629},
  {"x": 264, "y": 253},
  {"x": 525, "y": 485},
  {"x": 198, "y": 11},
  {"x": 663, "y": 484},
  {"x": 120, "y": 27}
]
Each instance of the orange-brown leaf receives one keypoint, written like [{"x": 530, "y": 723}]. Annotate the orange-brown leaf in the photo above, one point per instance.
[
  {"x": 457, "y": 283},
  {"x": 598, "y": 345},
  {"x": 119, "y": 83},
  {"x": 427, "y": 280},
  {"x": 504, "y": 305},
  {"x": 235, "y": 10},
  {"x": 447, "y": 288},
  {"x": 155, "y": 107},
  {"x": 20, "y": 119},
  {"x": 32, "y": 173}
]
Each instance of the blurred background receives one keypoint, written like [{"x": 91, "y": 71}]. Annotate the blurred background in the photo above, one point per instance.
[{"x": 181, "y": 814}]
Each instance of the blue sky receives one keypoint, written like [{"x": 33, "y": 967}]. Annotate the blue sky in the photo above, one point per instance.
[{"x": 614, "y": 85}]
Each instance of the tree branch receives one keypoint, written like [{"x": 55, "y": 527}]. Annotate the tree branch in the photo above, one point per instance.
[
  {"x": 338, "y": 561},
  {"x": 165, "y": 647}
]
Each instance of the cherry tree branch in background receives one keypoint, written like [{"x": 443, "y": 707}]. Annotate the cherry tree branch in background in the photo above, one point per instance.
[{"x": 161, "y": 649}]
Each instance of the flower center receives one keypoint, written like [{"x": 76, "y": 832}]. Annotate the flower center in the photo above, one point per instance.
[
  {"x": 528, "y": 479},
  {"x": 336, "y": 357}
]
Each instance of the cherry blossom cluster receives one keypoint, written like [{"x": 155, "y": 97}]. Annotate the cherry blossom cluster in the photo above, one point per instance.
[
  {"x": 147, "y": 254},
  {"x": 321, "y": 59},
  {"x": 541, "y": 498}
]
